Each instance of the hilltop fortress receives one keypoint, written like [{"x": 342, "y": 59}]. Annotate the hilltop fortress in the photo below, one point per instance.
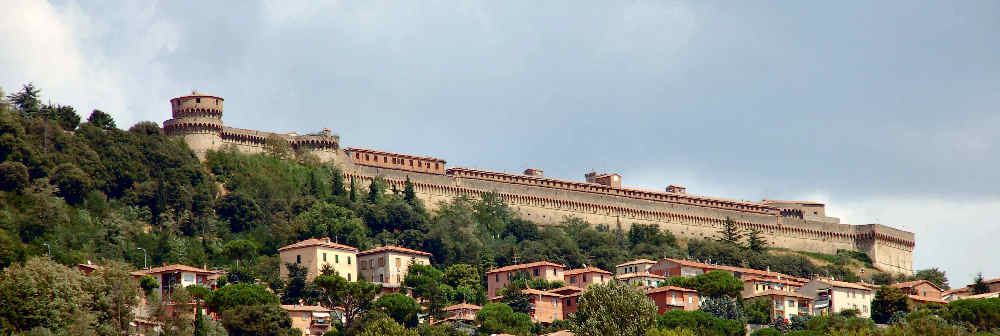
[{"x": 600, "y": 199}]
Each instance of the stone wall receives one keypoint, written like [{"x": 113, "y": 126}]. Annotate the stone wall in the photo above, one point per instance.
[{"x": 890, "y": 249}]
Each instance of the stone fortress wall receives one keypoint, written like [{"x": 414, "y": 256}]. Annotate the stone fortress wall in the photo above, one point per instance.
[
  {"x": 198, "y": 119},
  {"x": 794, "y": 225}
]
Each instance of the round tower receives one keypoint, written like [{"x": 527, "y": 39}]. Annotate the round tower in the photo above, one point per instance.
[{"x": 198, "y": 119}]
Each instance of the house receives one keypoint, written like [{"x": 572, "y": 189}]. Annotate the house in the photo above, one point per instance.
[
  {"x": 753, "y": 284},
  {"x": 671, "y": 298},
  {"x": 956, "y": 294},
  {"x": 546, "y": 307},
  {"x": 635, "y": 266},
  {"x": 832, "y": 296},
  {"x": 983, "y": 296},
  {"x": 170, "y": 277},
  {"x": 571, "y": 299},
  {"x": 173, "y": 276},
  {"x": 921, "y": 291},
  {"x": 785, "y": 304},
  {"x": 679, "y": 267},
  {"x": 312, "y": 320},
  {"x": 87, "y": 268},
  {"x": 388, "y": 265},
  {"x": 497, "y": 278},
  {"x": 316, "y": 253},
  {"x": 583, "y": 277},
  {"x": 641, "y": 279},
  {"x": 461, "y": 312}
]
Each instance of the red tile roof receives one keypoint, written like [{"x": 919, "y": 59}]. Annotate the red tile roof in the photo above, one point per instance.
[
  {"x": 533, "y": 291},
  {"x": 635, "y": 262},
  {"x": 639, "y": 275},
  {"x": 766, "y": 274},
  {"x": 925, "y": 299},
  {"x": 172, "y": 268},
  {"x": 378, "y": 152},
  {"x": 523, "y": 266},
  {"x": 843, "y": 284},
  {"x": 669, "y": 289},
  {"x": 393, "y": 248},
  {"x": 567, "y": 290},
  {"x": 318, "y": 242},
  {"x": 462, "y": 306},
  {"x": 585, "y": 270},
  {"x": 914, "y": 283},
  {"x": 305, "y": 308}
]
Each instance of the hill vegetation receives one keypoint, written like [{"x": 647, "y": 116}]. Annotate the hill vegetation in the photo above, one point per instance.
[{"x": 75, "y": 191}]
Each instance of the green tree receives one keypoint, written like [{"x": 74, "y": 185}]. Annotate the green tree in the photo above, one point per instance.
[
  {"x": 353, "y": 297},
  {"x": 103, "y": 120},
  {"x": 242, "y": 294},
  {"x": 385, "y": 326},
  {"x": 758, "y": 311},
  {"x": 512, "y": 294},
  {"x": 13, "y": 176},
  {"x": 976, "y": 314},
  {"x": 979, "y": 286},
  {"x": 354, "y": 193},
  {"x": 602, "y": 309},
  {"x": 258, "y": 320},
  {"x": 409, "y": 195},
  {"x": 935, "y": 275},
  {"x": 730, "y": 232},
  {"x": 27, "y": 100},
  {"x": 240, "y": 249},
  {"x": 756, "y": 241},
  {"x": 399, "y": 307},
  {"x": 297, "y": 289},
  {"x": 241, "y": 210},
  {"x": 712, "y": 284},
  {"x": 147, "y": 283},
  {"x": 462, "y": 275},
  {"x": 703, "y": 322},
  {"x": 43, "y": 294},
  {"x": 724, "y": 307},
  {"x": 115, "y": 297},
  {"x": 882, "y": 279},
  {"x": 65, "y": 116},
  {"x": 277, "y": 147},
  {"x": 495, "y": 318},
  {"x": 73, "y": 183},
  {"x": 888, "y": 301},
  {"x": 375, "y": 190}
]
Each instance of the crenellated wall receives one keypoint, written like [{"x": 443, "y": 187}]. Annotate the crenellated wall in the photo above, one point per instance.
[{"x": 550, "y": 202}]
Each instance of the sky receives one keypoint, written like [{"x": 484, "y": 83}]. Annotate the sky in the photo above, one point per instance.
[{"x": 886, "y": 111}]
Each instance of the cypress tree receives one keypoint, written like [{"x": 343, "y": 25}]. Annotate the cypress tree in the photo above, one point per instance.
[
  {"x": 354, "y": 194},
  {"x": 338, "y": 183},
  {"x": 980, "y": 287},
  {"x": 408, "y": 194}
]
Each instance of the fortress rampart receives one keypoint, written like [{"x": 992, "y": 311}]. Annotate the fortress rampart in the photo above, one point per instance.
[{"x": 601, "y": 200}]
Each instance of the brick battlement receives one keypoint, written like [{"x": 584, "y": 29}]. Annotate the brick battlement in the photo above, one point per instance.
[{"x": 616, "y": 191}]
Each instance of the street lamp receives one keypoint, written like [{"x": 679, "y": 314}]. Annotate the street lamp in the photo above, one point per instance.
[
  {"x": 144, "y": 266},
  {"x": 49, "y": 247}
]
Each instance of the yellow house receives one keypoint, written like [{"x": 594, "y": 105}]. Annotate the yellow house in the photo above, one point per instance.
[
  {"x": 388, "y": 265},
  {"x": 315, "y": 253}
]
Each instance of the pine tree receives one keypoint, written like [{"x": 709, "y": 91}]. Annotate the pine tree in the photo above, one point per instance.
[
  {"x": 338, "y": 183},
  {"x": 354, "y": 193},
  {"x": 980, "y": 286},
  {"x": 408, "y": 194},
  {"x": 756, "y": 241},
  {"x": 730, "y": 232},
  {"x": 199, "y": 320}
]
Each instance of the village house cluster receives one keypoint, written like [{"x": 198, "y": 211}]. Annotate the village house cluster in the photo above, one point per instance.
[{"x": 388, "y": 266}]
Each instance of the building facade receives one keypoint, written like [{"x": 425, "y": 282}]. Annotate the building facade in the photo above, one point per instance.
[
  {"x": 497, "y": 278},
  {"x": 601, "y": 198},
  {"x": 584, "y": 277},
  {"x": 388, "y": 265},
  {"x": 831, "y": 296},
  {"x": 317, "y": 253},
  {"x": 671, "y": 298},
  {"x": 785, "y": 304},
  {"x": 312, "y": 320}
]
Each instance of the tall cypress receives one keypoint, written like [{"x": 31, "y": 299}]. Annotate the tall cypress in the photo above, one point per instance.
[
  {"x": 354, "y": 193},
  {"x": 408, "y": 194}
]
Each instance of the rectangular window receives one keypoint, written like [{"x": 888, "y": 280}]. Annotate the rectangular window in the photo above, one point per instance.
[
  {"x": 336, "y": 258},
  {"x": 348, "y": 260},
  {"x": 348, "y": 276},
  {"x": 197, "y": 100},
  {"x": 381, "y": 278},
  {"x": 298, "y": 259},
  {"x": 535, "y": 271},
  {"x": 572, "y": 280},
  {"x": 397, "y": 263},
  {"x": 584, "y": 278},
  {"x": 496, "y": 277},
  {"x": 324, "y": 256}
]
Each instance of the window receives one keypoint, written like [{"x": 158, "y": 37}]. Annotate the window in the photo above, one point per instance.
[
  {"x": 336, "y": 258},
  {"x": 324, "y": 256},
  {"x": 357, "y": 156},
  {"x": 572, "y": 280},
  {"x": 690, "y": 299},
  {"x": 397, "y": 262},
  {"x": 381, "y": 278},
  {"x": 411, "y": 163},
  {"x": 496, "y": 277},
  {"x": 554, "y": 272},
  {"x": 535, "y": 271},
  {"x": 348, "y": 276},
  {"x": 348, "y": 260},
  {"x": 298, "y": 259},
  {"x": 381, "y": 261},
  {"x": 385, "y": 159},
  {"x": 584, "y": 278},
  {"x": 197, "y": 100},
  {"x": 569, "y": 302}
]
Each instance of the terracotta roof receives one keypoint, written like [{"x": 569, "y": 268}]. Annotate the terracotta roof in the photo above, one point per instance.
[
  {"x": 843, "y": 284},
  {"x": 462, "y": 306},
  {"x": 637, "y": 261},
  {"x": 317, "y": 242},
  {"x": 772, "y": 292},
  {"x": 639, "y": 275},
  {"x": 669, "y": 289},
  {"x": 304, "y": 308},
  {"x": 766, "y": 274},
  {"x": 926, "y": 299},
  {"x": 768, "y": 201},
  {"x": 992, "y": 281},
  {"x": 90, "y": 266},
  {"x": 783, "y": 281},
  {"x": 567, "y": 290},
  {"x": 393, "y": 248},
  {"x": 378, "y": 152},
  {"x": 983, "y": 296},
  {"x": 172, "y": 268},
  {"x": 523, "y": 266},
  {"x": 585, "y": 270},
  {"x": 560, "y": 333},
  {"x": 533, "y": 291},
  {"x": 957, "y": 291},
  {"x": 914, "y": 283}
]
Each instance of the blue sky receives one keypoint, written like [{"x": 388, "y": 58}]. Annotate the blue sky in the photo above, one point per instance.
[{"x": 887, "y": 111}]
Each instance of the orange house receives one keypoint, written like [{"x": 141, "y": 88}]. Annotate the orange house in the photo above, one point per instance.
[
  {"x": 497, "y": 278},
  {"x": 584, "y": 277},
  {"x": 571, "y": 299},
  {"x": 671, "y": 298}
]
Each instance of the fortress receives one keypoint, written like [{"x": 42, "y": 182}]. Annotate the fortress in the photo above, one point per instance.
[{"x": 600, "y": 199}]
